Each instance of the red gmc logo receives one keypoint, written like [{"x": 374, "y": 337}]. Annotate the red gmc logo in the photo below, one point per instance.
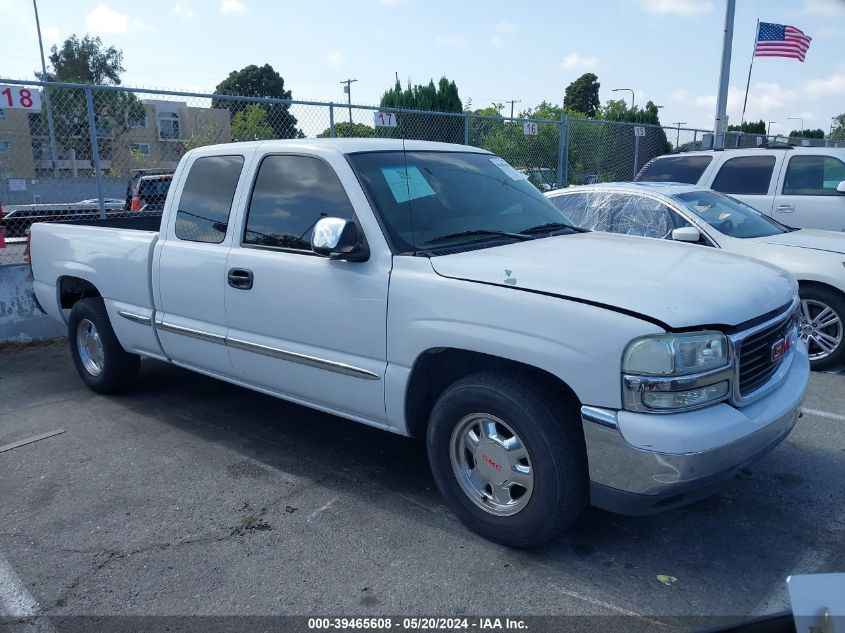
[
  {"x": 780, "y": 348},
  {"x": 491, "y": 463}
]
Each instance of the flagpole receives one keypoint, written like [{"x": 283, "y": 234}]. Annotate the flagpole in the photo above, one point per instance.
[{"x": 750, "y": 66}]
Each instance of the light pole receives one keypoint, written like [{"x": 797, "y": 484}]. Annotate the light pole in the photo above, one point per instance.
[
  {"x": 798, "y": 118},
  {"x": 629, "y": 90},
  {"x": 512, "y": 101},
  {"x": 678, "y": 136},
  {"x": 769, "y": 128},
  {"x": 721, "y": 123},
  {"x": 348, "y": 90},
  {"x": 52, "y": 131}
]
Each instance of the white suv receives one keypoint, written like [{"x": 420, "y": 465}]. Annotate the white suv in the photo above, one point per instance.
[{"x": 802, "y": 187}]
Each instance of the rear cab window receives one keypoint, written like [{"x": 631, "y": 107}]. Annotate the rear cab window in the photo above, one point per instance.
[
  {"x": 745, "y": 175},
  {"x": 685, "y": 169},
  {"x": 206, "y": 201}
]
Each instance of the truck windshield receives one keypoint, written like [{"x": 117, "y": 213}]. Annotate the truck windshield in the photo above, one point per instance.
[
  {"x": 435, "y": 200},
  {"x": 729, "y": 216}
]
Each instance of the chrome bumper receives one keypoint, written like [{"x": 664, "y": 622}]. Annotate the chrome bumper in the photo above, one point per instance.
[{"x": 641, "y": 463}]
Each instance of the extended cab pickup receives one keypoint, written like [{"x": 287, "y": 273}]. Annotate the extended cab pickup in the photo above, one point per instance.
[{"x": 430, "y": 290}]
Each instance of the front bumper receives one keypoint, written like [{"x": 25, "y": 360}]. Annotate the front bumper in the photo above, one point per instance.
[{"x": 642, "y": 462}]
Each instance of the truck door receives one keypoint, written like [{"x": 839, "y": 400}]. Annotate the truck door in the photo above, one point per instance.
[
  {"x": 301, "y": 325},
  {"x": 190, "y": 275},
  {"x": 807, "y": 197}
]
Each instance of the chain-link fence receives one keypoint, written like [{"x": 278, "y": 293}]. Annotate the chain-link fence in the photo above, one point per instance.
[{"x": 72, "y": 151}]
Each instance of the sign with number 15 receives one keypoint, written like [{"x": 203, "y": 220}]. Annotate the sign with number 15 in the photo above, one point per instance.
[{"x": 20, "y": 97}]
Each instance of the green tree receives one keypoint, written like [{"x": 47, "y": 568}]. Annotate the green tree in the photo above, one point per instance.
[
  {"x": 442, "y": 97},
  {"x": 342, "y": 129},
  {"x": 837, "y": 133},
  {"x": 211, "y": 134},
  {"x": 817, "y": 133},
  {"x": 251, "y": 124},
  {"x": 259, "y": 81},
  {"x": 582, "y": 95},
  {"x": 749, "y": 127},
  {"x": 86, "y": 60}
]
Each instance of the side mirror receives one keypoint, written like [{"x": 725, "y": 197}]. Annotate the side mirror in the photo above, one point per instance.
[
  {"x": 337, "y": 238},
  {"x": 686, "y": 234},
  {"x": 841, "y": 187}
]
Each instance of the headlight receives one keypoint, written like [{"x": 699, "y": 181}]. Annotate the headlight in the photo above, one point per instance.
[
  {"x": 676, "y": 372},
  {"x": 676, "y": 354}
]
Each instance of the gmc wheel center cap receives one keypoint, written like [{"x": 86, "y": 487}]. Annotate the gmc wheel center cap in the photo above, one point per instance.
[{"x": 493, "y": 462}]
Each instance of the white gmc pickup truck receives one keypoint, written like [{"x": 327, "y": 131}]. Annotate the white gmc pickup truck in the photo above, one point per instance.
[{"x": 430, "y": 290}]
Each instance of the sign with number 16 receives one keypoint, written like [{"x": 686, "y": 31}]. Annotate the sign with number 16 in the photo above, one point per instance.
[{"x": 20, "y": 97}]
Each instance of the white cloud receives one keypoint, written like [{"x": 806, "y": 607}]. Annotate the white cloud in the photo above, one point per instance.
[
  {"x": 451, "y": 40},
  {"x": 676, "y": 7},
  {"x": 183, "y": 10},
  {"x": 498, "y": 42},
  {"x": 505, "y": 27},
  {"x": 575, "y": 61},
  {"x": 824, "y": 7},
  {"x": 833, "y": 85},
  {"x": 232, "y": 6},
  {"x": 105, "y": 20},
  {"x": 335, "y": 58}
]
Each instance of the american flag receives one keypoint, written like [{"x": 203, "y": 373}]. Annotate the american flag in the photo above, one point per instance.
[{"x": 781, "y": 40}]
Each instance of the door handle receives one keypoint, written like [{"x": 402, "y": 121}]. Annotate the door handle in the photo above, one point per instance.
[
  {"x": 785, "y": 208},
  {"x": 240, "y": 278}
]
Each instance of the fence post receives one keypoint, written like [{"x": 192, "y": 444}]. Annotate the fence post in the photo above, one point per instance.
[
  {"x": 466, "y": 129},
  {"x": 563, "y": 153},
  {"x": 331, "y": 120},
  {"x": 636, "y": 153},
  {"x": 95, "y": 151}
]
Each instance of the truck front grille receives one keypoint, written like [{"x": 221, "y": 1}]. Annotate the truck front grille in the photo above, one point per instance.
[{"x": 756, "y": 365}]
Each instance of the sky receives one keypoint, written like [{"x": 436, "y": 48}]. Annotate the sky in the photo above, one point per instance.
[{"x": 667, "y": 51}]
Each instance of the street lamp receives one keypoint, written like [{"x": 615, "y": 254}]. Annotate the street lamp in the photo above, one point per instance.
[
  {"x": 54, "y": 156},
  {"x": 798, "y": 118},
  {"x": 629, "y": 90}
]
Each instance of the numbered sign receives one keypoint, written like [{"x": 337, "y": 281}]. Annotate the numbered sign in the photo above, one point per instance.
[
  {"x": 639, "y": 130},
  {"x": 385, "y": 119},
  {"x": 20, "y": 97},
  {"x": 529, "y": 128}
]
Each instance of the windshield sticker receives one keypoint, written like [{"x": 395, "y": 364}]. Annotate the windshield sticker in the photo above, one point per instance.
[
  {"x": 406, "y": 183},
  {"x": 502, "y": 164}
]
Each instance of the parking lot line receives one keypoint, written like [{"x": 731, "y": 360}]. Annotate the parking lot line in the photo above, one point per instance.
[
  {"x": 824, "y": 414},
  {"x": 30, "y": 440},
  {"x": 15, "y": 600}
]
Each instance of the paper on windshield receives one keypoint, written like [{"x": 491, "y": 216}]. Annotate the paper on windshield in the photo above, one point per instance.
[
  {"x": 406, "y": 183},
  {"x": 502, "y": 164}
]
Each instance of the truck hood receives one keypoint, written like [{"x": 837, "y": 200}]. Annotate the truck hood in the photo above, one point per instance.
[
  {"x": 675, "y": 284},
  {"x": 831, "y": 241}
]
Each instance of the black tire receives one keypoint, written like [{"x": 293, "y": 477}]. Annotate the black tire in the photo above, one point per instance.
[
  {"x": 836, "y": 301},
  {"x": 546, "y": 424},
  {"x": 118, "y": 368}
]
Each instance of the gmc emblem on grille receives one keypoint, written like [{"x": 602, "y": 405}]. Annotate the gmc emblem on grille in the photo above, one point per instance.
[{"x": 779, "y": 348}]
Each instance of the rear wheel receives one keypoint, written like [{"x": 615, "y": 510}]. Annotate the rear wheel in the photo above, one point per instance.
[
  {"x": 509, "y": 458},
  {"x": 98, "y": 356},
  {"x": 823, "y": 325}
]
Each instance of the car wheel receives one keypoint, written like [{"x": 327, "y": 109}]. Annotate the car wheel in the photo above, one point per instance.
[
  {"x": 822, "y": 326},
  {"x": 98, "y": 356},
  {"x": 509, "y": 458}
]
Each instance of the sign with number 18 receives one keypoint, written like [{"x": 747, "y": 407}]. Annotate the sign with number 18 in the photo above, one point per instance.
[{"x": 20, "y": 97}]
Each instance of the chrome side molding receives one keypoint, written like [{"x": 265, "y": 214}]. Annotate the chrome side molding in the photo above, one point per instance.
[
  {"x": 302, "y": 359},
  {"x": 135, "y": 318},
  {"x": 187, "y": 331}
]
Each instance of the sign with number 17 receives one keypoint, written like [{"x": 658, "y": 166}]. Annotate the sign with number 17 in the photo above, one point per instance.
[
  {"x": 385, "y": 119},
  {"x": 20, "y": 97}
]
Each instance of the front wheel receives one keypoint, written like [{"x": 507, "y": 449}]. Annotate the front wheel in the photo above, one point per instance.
[
  {"x": 98, "y": 356},
  {"x": 822, "y": 318},
  {"x": 508, "y": 458}
]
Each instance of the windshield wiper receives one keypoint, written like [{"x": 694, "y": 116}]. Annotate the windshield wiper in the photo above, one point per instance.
[
  {"x": 549, "y": 227},
  {"x": 518, "y": 236}
]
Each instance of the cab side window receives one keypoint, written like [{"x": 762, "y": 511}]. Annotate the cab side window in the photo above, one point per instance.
[
  {"x": 291, "y": 194},
  {"x": 745, "y": 175},
  {"x": 206, "y": 200},
  {"x": 813, "y": 176}
]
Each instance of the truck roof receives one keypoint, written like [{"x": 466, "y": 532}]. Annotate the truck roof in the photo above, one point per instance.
[{"x": 345, "y": 145}]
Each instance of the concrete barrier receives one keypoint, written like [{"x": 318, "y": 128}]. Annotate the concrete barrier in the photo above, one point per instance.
[{"x": 20, "y": 319}]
